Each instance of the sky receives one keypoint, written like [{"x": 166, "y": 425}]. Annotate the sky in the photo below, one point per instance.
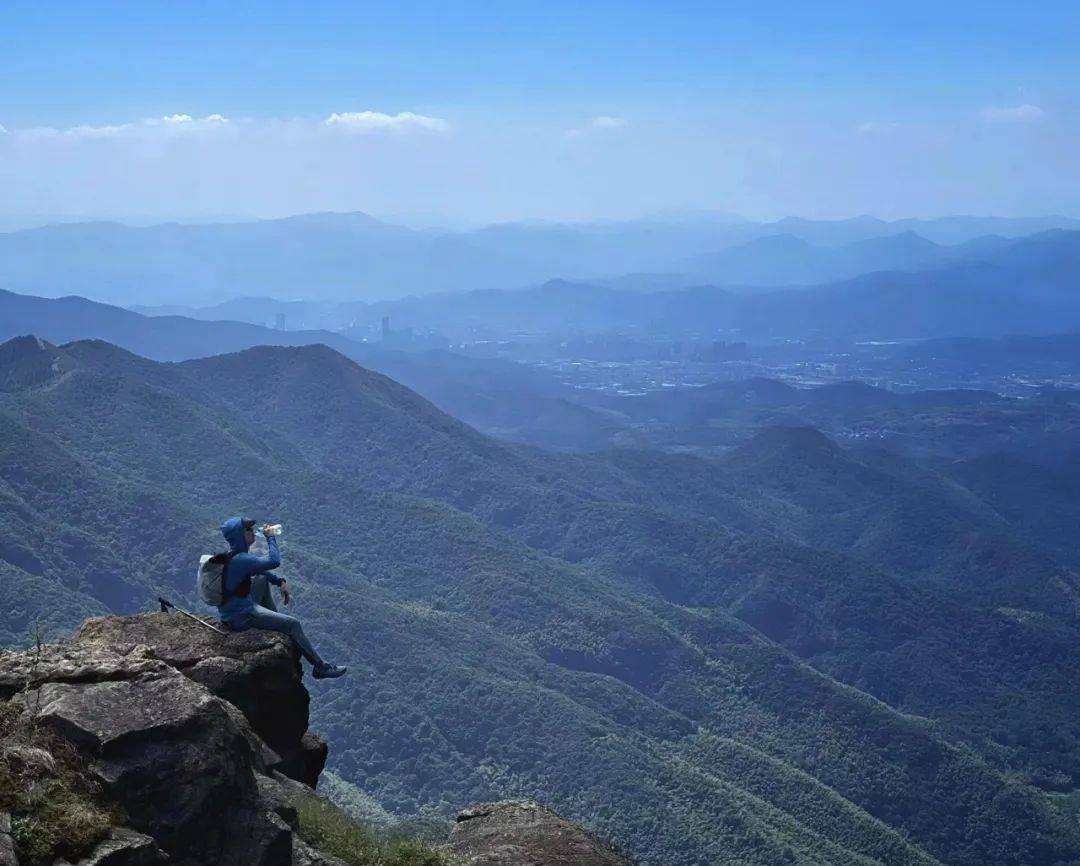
[{"x": 471, "y": 112}]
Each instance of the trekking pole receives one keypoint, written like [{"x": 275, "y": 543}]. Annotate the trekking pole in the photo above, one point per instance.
[{"x": 166, "y": 606}]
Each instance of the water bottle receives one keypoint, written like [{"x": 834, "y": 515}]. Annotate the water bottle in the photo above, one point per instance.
[{"x": 273, "y": 529}]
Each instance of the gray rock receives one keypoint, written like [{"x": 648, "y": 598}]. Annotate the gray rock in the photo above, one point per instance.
[
  {"x": 523, "y": 833},
  {"x": 124, "y": 847},
  {"x": 20, "y": 671},
  {"x": 7, "y": 845},
  {"x": 28, "y": 760},
  {"x": 182, "y": 728},
  {"x": 279, "y": 798},
  {"x": 176, "y": 759},
  {"x": 256, "y": 671},
  {"x": 202, "y": 740},
  {"x": 304, "y": 763},
  {"x": 305, "y": 855},
  {"x": 281, "y": 794}
]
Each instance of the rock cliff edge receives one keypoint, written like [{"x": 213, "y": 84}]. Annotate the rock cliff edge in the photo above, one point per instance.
[{"x": 201, "y": 742}]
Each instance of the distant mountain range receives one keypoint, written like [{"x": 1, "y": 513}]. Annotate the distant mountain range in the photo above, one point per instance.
[
  {"x": 356, "y": 257},
  {"x": 163, "y": 338},
  {"x": 1026, "y": 285},
  {"x": 780, "y": 260},
  {"x": 985, "y": 287},
  {"x": 1021, "y": 286},
  {"x": 500, "y": 397}
]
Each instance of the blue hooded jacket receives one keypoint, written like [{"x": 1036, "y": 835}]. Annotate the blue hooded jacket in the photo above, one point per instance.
[{"x": 244, "y": 565}]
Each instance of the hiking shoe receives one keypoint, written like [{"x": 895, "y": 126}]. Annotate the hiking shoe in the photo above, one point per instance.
[{"x": 327, "y": 671}]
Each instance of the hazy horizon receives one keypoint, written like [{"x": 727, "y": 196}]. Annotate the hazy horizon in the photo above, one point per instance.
[{"x": 419, "y": 222}]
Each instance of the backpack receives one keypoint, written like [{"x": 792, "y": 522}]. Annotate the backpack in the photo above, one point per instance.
[{"x": 210, "y": 579}]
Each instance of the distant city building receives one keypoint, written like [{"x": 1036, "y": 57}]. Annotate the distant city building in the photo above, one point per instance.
[
  {"x": 729, "y": 351},
  {"x": 409, "y": 340},
  {"x": 279, "y": 321}
]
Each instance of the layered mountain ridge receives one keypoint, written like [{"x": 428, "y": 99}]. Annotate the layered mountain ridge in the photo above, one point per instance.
[
  {"x": 352, "y": 256},
  {"x": 701, "y": 659}
]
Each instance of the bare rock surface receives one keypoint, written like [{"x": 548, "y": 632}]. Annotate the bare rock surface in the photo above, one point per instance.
[
  {"x": 173, "y": 756},
  {"x": 183, "y": 729},
  {"x": 305, "y": 855},
  {"x": 201, "y": 740},
  {"x": 7, "y": 846},
  {"x": 64, "y": 663},
  {"x": 256, "y": 671},
  {"x": 524, "y": 833},
  {"x": 123, "y": 847}
]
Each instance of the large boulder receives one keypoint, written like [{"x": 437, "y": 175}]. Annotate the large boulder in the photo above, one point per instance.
[
  {"x": 175, "y": 758},
  {"x": 201, "y": 739},
  {"x": 123, "y": 847},
  {"x": 524, "y": 833},
  {"x": 186, "y": 730},
  {"x": 256, "y": 671}
]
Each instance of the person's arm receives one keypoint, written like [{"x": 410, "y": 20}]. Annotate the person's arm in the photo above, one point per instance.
[{"x": 251, "y": 564}]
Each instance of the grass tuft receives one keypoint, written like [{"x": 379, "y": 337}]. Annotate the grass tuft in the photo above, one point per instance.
[
  {"x": 56, "y": 811},
  {"x": 326, "y": 828}
]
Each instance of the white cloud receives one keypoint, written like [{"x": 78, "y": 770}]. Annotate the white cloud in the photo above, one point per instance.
[
  {"x": 3, "y": 129},
  {"x": 171, "y": 122},
  {"x": 174, "y": 124},
  {"x": 606, "y": 121},
  {"x": 875, "y": 127},
  {"x": 85, "y": 130},
  {"x": 373, "y": 121},
  {"x": 186, "y": 120},
  {"x": 1026, "y": 113},
  {"x": 600, "y": 122}
]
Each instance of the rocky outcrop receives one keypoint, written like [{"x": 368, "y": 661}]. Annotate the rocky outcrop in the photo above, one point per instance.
[
  {"x": 200, "y": 741},
  {"x": 258, "y": 672},
  {"x": 523, "y": 833},
  {"x": 189, "y": 732},
  {"x": 123, "y": 847}
]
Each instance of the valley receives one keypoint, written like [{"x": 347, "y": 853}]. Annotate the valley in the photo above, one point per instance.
[{"x": 524, "y": 623}]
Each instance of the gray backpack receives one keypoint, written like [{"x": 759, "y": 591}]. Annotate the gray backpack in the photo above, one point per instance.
[{"x": 210, "y": 578}]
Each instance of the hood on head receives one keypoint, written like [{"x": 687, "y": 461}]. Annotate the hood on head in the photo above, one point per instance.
[{"x": 233, "y": 530}]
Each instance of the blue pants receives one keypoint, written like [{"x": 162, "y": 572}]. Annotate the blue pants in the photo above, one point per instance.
[{"x": 265, "y": 616}]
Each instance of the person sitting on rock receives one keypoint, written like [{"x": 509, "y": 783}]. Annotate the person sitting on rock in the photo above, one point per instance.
[{"x": 248, "y": 602}]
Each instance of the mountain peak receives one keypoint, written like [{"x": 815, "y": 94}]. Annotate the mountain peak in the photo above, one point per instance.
[
  {"x": 25, "y": 361},
  {"x": 24, "y": 346},
  {"x": 782, "y": 444},
  {"x": 341, "y": 218}
]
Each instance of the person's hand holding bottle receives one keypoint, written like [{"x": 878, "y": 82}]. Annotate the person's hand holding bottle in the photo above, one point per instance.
[{"x": 268, "y": 531}]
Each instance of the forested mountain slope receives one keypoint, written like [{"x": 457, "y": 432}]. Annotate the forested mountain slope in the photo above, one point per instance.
[
  {"x": 657, "y": 663},
  {"x": 503, "y": 397}
]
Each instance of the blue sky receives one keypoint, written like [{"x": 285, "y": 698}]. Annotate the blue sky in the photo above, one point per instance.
[{"x": 486, "y": 111}]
